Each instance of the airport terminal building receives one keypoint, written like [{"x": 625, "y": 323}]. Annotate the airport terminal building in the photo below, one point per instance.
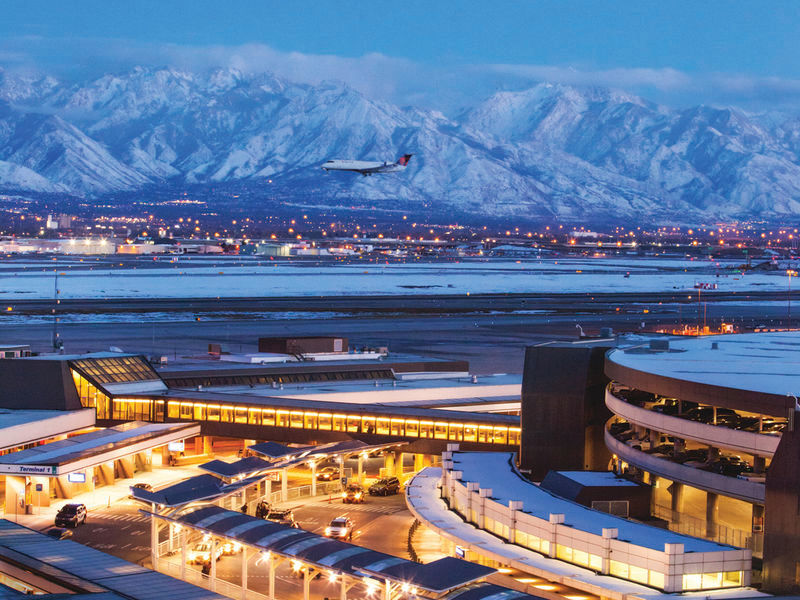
[{"x": 708, "y": 423}]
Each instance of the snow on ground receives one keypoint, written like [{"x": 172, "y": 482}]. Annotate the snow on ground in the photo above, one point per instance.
[{"x": 235, "y": 277}]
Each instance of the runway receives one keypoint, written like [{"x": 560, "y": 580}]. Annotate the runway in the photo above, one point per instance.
[{"x": 491, "y": 331}]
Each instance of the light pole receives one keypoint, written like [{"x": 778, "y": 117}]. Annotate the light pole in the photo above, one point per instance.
[{"x": 791, "y": 273}]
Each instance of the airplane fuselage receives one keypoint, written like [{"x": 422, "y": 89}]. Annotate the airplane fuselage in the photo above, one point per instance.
[{"x": 366, "y": 167}]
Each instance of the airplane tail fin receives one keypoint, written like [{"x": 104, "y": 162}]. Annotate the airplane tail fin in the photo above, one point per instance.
[{"x": 403, "y": 160}]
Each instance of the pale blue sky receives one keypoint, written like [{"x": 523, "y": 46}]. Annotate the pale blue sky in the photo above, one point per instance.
[{"x": 678, "y": 51}]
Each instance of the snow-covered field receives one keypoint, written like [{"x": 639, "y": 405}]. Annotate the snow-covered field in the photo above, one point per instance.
[{"x": 237, "y": 277}]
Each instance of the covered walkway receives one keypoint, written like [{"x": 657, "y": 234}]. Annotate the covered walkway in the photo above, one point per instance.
[{"x": 355, "y": 571}]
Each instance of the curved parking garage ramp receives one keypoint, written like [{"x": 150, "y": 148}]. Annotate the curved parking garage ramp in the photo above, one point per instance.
[
  {"x": 355, "y": 568},
  {"x": 486, "y": 490}
]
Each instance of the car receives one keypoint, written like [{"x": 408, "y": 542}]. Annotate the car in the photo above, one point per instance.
[
  {"x": 328, "y": 474},
  {"x": 705, "y": 414},
  {"x": 769, "y": 425},
  {"x": 231, "y": 548},
  {"x": 666, "y": 449},
  {"x": 59, "y": 533},
  {"x": 143, "y": 486},
  {"x": 385, "y": 487},
  {"x": 672, "y": 406},
  {"x": 341, "y": 528},
  {"x": 284, "y": 517},
  {"x": 695, "y": 456},
  {"x": 201, "y": 552},
  {"x": 732, "y": 466},
  {"x": 71, "y": 515},
  {"x": 618, "y": 427},
  {"x": 353, "y": 494}
]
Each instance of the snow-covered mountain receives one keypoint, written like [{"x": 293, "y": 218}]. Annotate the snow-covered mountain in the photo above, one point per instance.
[{"x": 551, "y": 150}]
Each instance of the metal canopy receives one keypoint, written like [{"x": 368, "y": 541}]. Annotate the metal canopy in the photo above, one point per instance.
[
  {"x": 241, "y": 468},
  {"x": 333, "y": 555},
  {"x": 194, "y": 489},
  {"x": 487, "y": 591},
  {"x": 82, "y": 568},
  {"x": 274, "y": 450},
  {"x": 96, "y": 444},
  {"x": 439, "y": 576}
]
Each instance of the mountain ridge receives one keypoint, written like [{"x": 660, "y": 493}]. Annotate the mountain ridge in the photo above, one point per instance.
[{"x": 550, "y": 151}]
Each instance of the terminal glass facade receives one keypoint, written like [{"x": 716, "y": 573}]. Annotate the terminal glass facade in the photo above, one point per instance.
[
  {"x": 91, "y": 396},
  {"x": 395, "y": 426},
  {"x": 124, "y": 369},
  {"x": 388, "y": 425}
]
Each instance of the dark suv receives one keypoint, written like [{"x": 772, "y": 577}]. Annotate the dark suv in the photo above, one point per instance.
[
  {"x": 284, "y": 517},
  {"x": 71, "y": 515},
  {"x": 385, "y": 487},
  {"x": 705, "y": 414}
]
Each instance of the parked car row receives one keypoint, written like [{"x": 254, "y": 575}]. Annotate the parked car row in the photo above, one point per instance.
[
  {"x": 686, "y": 409},
  {"x": 730, "y": 465}
]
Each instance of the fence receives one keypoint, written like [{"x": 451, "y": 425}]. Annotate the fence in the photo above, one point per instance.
[
  {"x": 685, "y": 524},
  {"x": 195, "y": 577},
  {"x": 326, "y": 488}
]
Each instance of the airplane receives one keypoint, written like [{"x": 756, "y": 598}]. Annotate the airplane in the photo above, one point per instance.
[{"x": 366, "y": 167}]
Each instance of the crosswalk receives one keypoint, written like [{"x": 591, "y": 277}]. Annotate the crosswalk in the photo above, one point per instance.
[
  {"x": 110, "y": 515},
  {"x": 384, "y": 509}
]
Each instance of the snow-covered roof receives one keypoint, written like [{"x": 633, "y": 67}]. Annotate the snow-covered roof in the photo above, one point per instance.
[
  {"x": 597, "y": 479},
  {"x": 766, "y": 363},
  {"x": 496, "y": 471}
]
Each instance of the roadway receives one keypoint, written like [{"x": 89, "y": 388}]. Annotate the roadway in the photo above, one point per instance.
[{"x": 381, "y": 523}]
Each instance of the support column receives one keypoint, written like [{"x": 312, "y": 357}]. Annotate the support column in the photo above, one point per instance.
[
  {"x": 183, "y": 553},
  {"x": 153, "y": 538},
  {"x": 244, "y": 573},
  {"x": 343, "y": 589},
  {"x": 419, "y": 462},
  {"x": 341, "y": 467},
  {"x": 556, "y": 519},
  {"x": 307, "y": 583},
  {"x": 213, "y": 557},
  {"x": 759, "y": 465},
  {"x": 677, "y": 500},
  {"x": 361, "y": 469},
  {"x": 398, "y": 464},
  {"x": 208, "y": 444},
  {"x": 387, "y": 590},
  {"x": 268, "y": 489},
  {"x": 712, "y": 509},
  {"x": 680, "y": 446},
  {"x": 271, "y": 562},
  {"x": 758, "y": 519},
  {"x": 483, "y": 494},
  {"x": 284, "y": 484},
  {"x": 513, "y": 506},
  {"x": 608, "y": 535},
  {"x": 313, "y": 465},
  {"x": 388, "y": 464}
]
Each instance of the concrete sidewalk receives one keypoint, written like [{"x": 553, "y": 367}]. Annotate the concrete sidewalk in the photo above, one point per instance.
[{"x": 105, "y": 496}]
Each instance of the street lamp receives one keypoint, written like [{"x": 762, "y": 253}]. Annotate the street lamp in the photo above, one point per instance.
[{"x": 791, "y": 273}]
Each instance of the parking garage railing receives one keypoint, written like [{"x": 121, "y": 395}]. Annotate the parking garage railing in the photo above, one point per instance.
[{"x": 713, "y": 435}]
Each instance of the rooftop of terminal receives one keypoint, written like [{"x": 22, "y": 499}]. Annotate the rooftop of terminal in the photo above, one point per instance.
[
  {"x": 497, "y": 472},
  {"x": 764, "y": 363}
]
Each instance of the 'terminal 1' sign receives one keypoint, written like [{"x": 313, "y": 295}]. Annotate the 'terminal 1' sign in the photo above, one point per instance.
[{"x": 29, "y": 469}]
